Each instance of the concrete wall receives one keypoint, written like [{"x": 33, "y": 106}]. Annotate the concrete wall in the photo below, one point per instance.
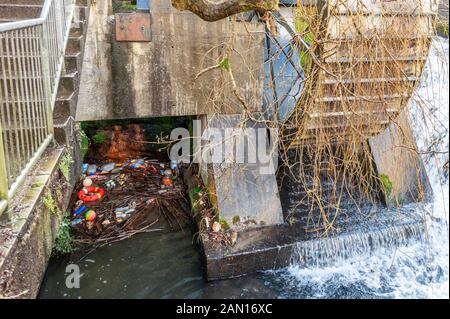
[
  {"x": 27, "y": 237},
  {"x": 145, "y": 79}
]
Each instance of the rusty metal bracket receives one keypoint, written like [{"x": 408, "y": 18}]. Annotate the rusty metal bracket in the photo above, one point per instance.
[{"x": 133, "y": 27}]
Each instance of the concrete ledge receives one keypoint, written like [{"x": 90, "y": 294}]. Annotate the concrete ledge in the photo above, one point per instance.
[
  {"x": 26, "y": 240},
  {"x": 274, "y": 247}
]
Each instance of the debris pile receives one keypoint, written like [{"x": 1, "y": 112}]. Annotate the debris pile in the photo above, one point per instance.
[
  {"x": 116, "y": 201},
  {"x": 211, "y": 227}
]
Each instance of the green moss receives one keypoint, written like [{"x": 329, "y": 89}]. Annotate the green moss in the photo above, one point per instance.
[
  {"x": 99, "y": 138},
  {"x": 442, "y": 29},
  {"x": 65, "y": 165},
  {"x": 64, "y": 240},
  {"x": 386, "y": 184},
  {"x": 236, "y": 219},
  {"x": 36, "y": 185}
]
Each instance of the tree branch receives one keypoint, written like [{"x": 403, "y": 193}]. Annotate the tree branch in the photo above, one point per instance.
[{"x": 213, "y": 10}]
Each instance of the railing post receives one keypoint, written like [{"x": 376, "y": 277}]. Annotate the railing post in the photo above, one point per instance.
[
  {"x": 46, "y": 77},
  {"x": 3, "y": 172}
]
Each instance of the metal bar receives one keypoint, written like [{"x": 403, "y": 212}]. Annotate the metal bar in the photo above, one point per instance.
[
  {"x": 61, "y": 61},
  {"x": 28, "y": 65},
  {"x": 9, "y": 26},
  {"x": 42, "y": 84},
  {"x": 21, "y": 94},
  {"x": 45, "y": 88},
  {"x": 36, "y": 80},
  {"x": 4, "y": 106},
  {"x": 26, "y": 95},
  {"x": 3, "y": 206},
  {"x": 3, "y": 171},
  {"x": 13, "y": 100},
  {"x": 20, "y": 179},
  {"x": 45, "y": 9}
]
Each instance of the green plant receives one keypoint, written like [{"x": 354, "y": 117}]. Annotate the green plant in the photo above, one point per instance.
[
  {"x": 236, "y": 219},
  {"x": 302, "y": 27},
  {"x": 99, "y": 138},
  {"x": 225, "y": 64},
  {"x": 224, "y": 224},
  {"x": 63, "y": 241},
  {"x": 386, "y": 184},
  {"x": 65, "y": 165},
  {"x": 50, "y": 204},
  {"x": 127, "y": 6},
  {"x": 83, "y": 140}
]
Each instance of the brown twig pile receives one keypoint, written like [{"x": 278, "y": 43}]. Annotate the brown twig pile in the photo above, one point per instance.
[{"x": 136, "y": 188}]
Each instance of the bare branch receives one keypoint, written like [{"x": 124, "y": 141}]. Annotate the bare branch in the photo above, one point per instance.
[{"x": 213, "y": 10}]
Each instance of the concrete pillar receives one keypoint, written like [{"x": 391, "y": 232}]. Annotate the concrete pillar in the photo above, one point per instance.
[{"x": 239, "y": 170}]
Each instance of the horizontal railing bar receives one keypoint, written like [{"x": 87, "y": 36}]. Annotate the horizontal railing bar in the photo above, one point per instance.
[{"x": 14, "y": 25}]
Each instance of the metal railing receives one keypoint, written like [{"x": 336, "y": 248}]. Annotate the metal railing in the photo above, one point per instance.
[{"x": 31, "y": 60}]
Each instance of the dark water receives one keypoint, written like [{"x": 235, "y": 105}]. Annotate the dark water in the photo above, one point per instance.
[{"x": 150, "y": 266}]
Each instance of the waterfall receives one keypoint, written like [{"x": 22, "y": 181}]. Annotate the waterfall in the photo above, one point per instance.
[
  {"x": 335, "y": 249},
  {"x": 403, "y": 259}
]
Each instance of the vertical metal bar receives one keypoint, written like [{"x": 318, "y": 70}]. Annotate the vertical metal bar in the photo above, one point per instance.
[
  {"x": 24, "y": 75},
  {"x": 13, "y": 101},
  {"x": 54, "y": 46},
  {"x": 41, "y": 59},
  {"x": 46, "y": 88},
  {"x": 29, "y": 88},
  {"x": 4, "y": 106},
  {"x": 3, "y": 171},
  {"x": 35, "y": 81},
  {"x": 59, "y": 15},
  {"x": 21, "y": 96}
]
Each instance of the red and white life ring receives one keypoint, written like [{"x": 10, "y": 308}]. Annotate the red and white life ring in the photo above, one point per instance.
[{"x": 91, "y": 193}]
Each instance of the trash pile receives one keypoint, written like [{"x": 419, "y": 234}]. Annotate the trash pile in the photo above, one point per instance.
[
  {"x": 211, "y": 227},
  {"x": 116, "y": 201}
]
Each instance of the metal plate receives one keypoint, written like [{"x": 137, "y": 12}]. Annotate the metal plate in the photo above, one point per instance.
[{"x": 133, "y": 27}]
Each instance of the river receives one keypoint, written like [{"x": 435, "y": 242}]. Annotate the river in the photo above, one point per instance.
[{"x": 167, "y": 265}]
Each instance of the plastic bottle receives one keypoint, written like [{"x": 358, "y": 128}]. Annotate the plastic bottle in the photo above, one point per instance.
[{"x": 92, "y": 169}]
